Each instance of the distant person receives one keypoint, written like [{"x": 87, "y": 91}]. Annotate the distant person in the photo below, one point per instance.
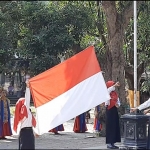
[
  {"x": 18, "y": 90},
  {"x": 97, "y": 123},
  {"x": 5, "y": 125},
  {"x": 112, "y": 117},
  {"x": 80, "y": 124},
  {"x": 87, "y": 116},
  {"x": 23, "y": 88},
  {"x": 1, "y": 89},
  {"x": 11, "y": 90},
  {"x": 56, "y": 129}
]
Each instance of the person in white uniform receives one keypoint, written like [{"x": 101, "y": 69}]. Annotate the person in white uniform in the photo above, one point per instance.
[{"x": 24, "y": 116}]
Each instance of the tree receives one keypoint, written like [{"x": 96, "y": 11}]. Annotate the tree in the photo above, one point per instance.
[{"x": 143, "y": 51}]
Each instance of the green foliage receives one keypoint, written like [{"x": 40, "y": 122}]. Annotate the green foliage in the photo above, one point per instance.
[
  {"x": 143, "y": 36},
  {"x": 40, "y": 30},
  {"x": 145, "y": 87}
]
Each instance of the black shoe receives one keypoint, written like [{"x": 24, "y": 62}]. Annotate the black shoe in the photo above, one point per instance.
[
  {"x": 116, "y": 147},
  {"x": 3, "y": 138},
  {"x": 56, "y": 133}
]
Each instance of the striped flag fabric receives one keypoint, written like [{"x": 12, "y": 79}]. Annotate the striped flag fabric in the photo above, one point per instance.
[{"x": 68, "y": 90}]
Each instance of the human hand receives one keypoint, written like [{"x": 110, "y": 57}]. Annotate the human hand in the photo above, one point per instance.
[
  {"x": 27, "y": 83},
  {"x": 117, "y": 84},
  {"x": 133, "y": 109},
  {"x": 146, "y": 111},
  {"x": 117, "y": 105},
  {"x": 36, "y": 135}
]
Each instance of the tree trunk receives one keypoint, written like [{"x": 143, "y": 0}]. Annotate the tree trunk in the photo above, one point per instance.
[
  {"x": 114, "y": 64},
  {"x": 115, "y": 60},
  {"x": 129, "y": 74}
]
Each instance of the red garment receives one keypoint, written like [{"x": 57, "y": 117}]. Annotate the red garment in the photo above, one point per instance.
[
  {"x": 56, "y": 129},
  {"x": 20, "y": 113},
  {"x": 79, "y": 126},
  {"x": 95, "y": 122},
  {"x": 33, "y": 121},
  {"x": 113, "y": 95},
  {"x": 6, "y": 130}
]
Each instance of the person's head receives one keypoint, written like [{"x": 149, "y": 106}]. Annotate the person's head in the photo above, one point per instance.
[
  {"x": 3, "y": 93},
  {"x": 1, "y": 88},
  {"x": 110, "y": 83}
]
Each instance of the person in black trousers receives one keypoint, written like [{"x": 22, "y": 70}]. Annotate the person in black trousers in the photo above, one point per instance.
[
  {"x": 27, "y": 120},
  {"x": 112, "y": 117}
]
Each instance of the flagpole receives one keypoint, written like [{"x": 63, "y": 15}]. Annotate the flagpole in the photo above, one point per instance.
[{"x": 135, "y": 54}]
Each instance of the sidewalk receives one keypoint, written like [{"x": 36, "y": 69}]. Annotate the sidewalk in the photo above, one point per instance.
[{"x": 65, "y": 140}]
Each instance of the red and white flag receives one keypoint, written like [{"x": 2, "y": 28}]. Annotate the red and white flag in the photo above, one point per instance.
[{"x": 68, "y": 89}]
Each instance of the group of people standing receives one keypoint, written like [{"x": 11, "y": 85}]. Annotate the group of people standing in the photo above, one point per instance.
[
  {"x": 24, "y": 116},
  {"x": 27, "y": 133},
  {"x": 80, "y": 124},
  {"x": 112, "y": 119}
]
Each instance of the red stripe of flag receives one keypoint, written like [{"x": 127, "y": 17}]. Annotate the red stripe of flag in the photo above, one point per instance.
[{"x": 59, "y": 79}]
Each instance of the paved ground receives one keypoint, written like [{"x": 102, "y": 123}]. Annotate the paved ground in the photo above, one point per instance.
[{"x": 66, "y": 140}]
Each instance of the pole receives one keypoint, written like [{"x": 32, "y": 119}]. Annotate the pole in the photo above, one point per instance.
[{"x": 135, "y": 54}]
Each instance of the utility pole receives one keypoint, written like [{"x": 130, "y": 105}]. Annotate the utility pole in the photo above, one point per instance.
[{"x": 135, "y": 53}]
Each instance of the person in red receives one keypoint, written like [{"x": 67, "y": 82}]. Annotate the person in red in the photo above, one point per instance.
[
  {"x": 5, "y": 125},
  {"x": 112, "y": 117},
  {"x": 56, "y": 129},
  {"x": 24, "y": 116},
  {"x": 80, "y": 124}
]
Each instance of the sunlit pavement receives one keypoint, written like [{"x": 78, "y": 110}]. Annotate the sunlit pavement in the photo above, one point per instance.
[{"x": 65, "y": 140}]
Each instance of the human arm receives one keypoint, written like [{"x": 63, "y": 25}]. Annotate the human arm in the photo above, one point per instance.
[
  {"x": 118, "y": 103},
  {"x": 35, "y": 132},
  {"x": 27, "y": 96},
  {"x": 110, "y": 89},
  {"x": 146, "y": 111},
  {"x": 142, "y": 106}
]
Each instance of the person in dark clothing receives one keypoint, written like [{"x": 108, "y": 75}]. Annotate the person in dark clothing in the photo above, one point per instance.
[{"x": 112, "y": 117}]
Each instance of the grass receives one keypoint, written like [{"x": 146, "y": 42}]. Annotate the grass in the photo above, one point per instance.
[{"x": 12, "y": 110}]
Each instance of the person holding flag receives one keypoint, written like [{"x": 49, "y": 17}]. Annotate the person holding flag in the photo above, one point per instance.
[{"x": 24, "y": 116}]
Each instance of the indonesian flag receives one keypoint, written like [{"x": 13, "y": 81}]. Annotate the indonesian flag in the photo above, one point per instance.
[{"x": 68, "y": 90}]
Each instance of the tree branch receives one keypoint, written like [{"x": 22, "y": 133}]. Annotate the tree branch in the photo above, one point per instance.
[{"x": 127, "y": 13}]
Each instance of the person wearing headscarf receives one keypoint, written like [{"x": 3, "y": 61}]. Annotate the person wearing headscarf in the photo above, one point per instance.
[
  {"x": 112, "y": 117},
  {"x": 5, "y": 125},
  {"x": 24, "y": 117},
  {"x": 56, "y": 129},
  {"x": 80, "y": 124}
]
